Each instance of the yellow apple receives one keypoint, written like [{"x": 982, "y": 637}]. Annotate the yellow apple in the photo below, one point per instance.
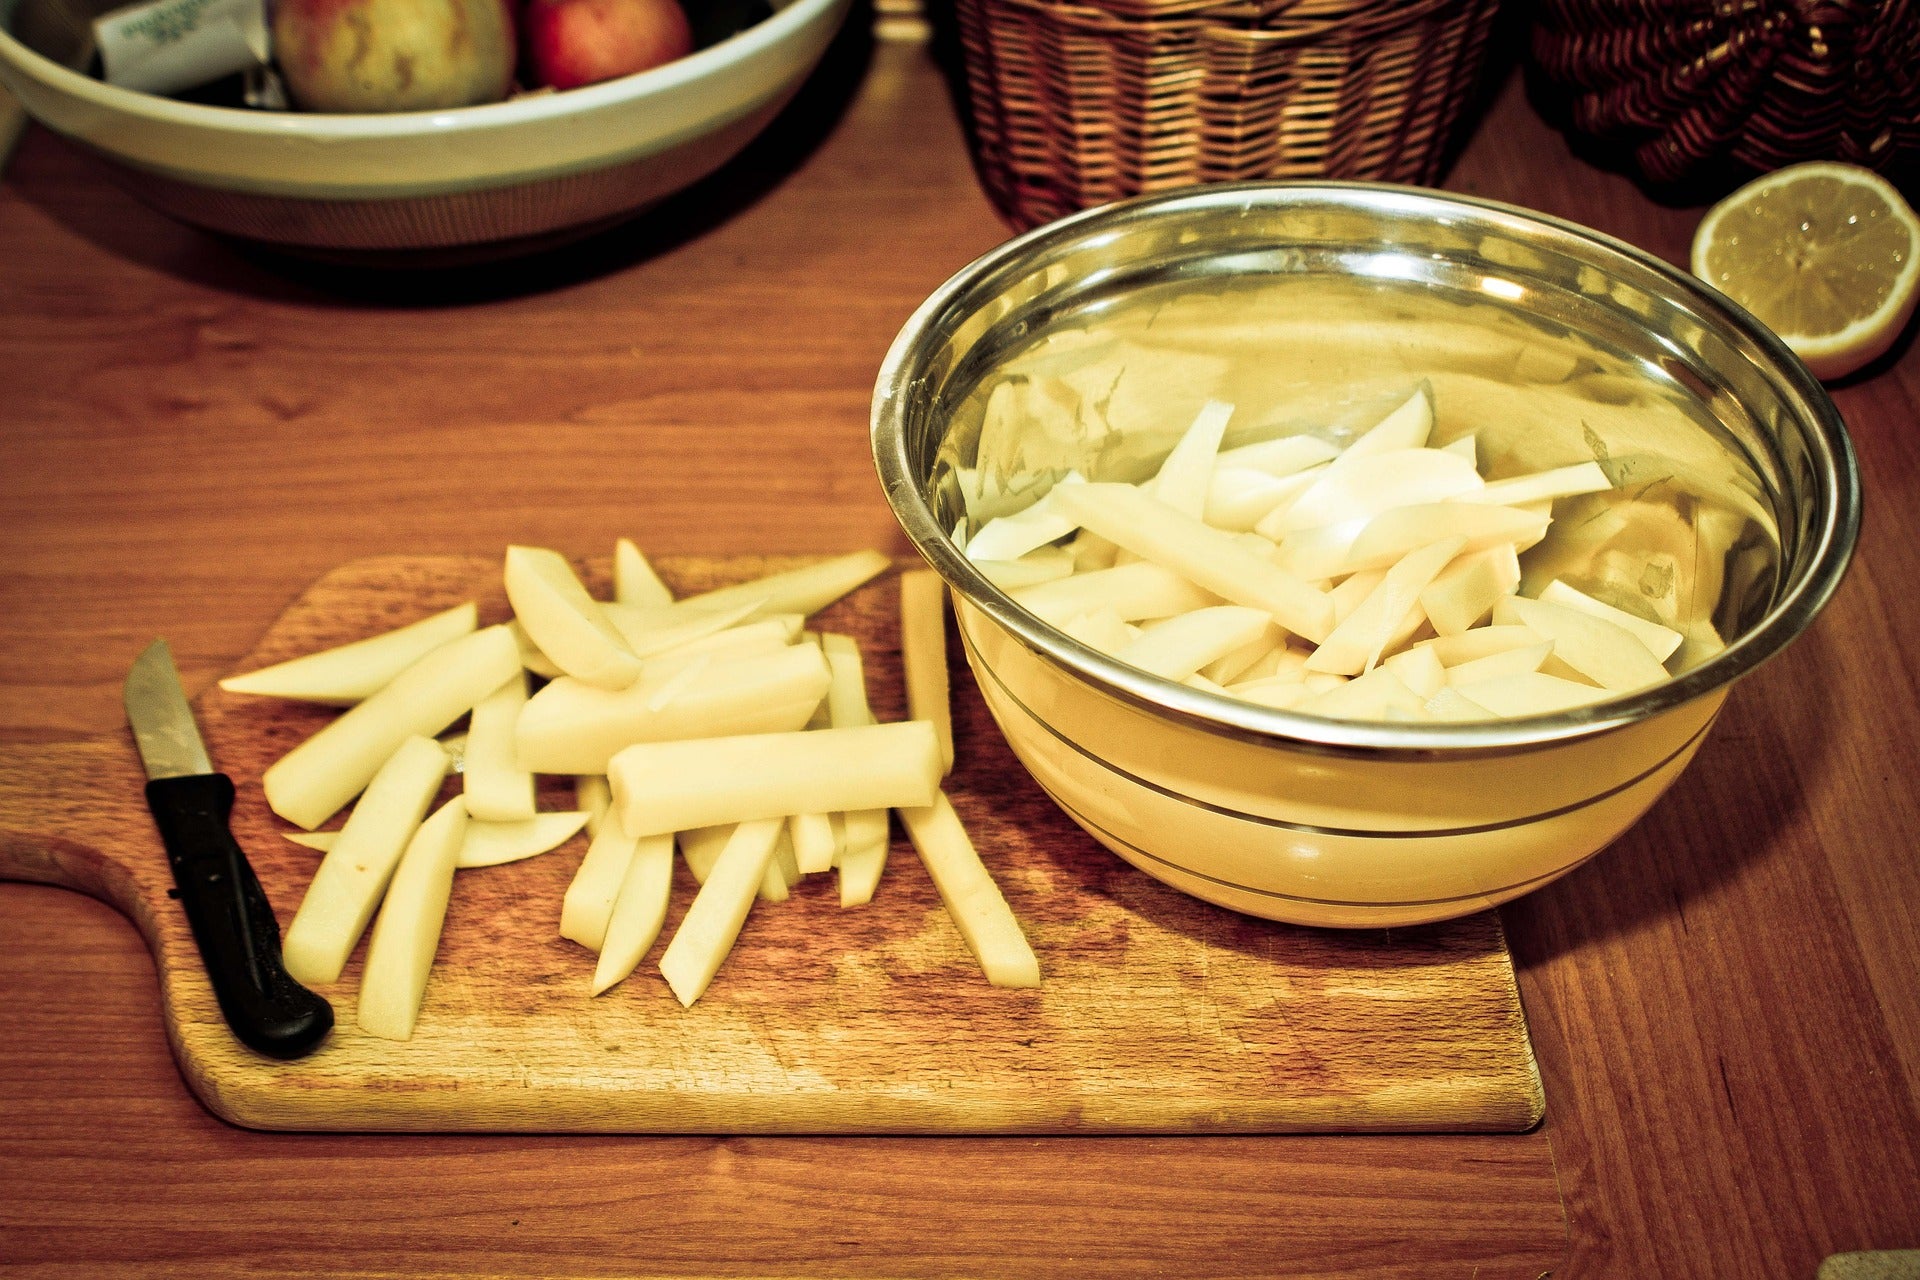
[{"x": 394, "y": 55}]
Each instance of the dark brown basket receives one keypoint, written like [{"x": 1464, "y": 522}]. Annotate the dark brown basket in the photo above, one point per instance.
[
  {"x": 1076, "y": 104},
  {"x": 1691, "y": 87}
]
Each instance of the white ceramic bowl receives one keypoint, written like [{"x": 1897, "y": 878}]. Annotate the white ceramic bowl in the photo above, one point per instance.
[
  {"x": 1327, "y": 822},
  {"x": 520, "y": 171}
]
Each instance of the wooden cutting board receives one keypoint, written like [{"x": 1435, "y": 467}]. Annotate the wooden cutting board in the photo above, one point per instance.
[{"x": 1158, "y": 1013}]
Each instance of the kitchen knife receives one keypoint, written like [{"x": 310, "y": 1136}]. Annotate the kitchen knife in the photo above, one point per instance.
[{"x": 232, "y": 922}]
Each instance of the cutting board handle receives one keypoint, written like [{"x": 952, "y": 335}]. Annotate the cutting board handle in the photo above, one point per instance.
[{"x": 61, "y": 804}]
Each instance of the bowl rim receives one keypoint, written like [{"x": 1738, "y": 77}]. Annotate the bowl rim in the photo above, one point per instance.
[
  {"x": 785, "y": 22},
  {"x": 1829, "y": 551}
]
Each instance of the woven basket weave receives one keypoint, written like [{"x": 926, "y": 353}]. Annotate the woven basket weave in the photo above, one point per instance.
[
  {"x": 1076, "y": 104},
  {"x": 1691, "y": 87}
]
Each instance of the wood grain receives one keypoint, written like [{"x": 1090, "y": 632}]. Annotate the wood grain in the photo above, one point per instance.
[
  {"x": 1158, "y": 1013},
  {"x": 1722, "y": 1004},
  {"x": 192, "y": 1195}
]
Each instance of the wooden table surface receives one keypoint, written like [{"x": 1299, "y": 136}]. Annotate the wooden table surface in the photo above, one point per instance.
[{"x": 1725, "y": 1005}]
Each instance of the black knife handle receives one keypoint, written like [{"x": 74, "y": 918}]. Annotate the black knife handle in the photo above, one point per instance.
[{"x": 232, "y": 921}]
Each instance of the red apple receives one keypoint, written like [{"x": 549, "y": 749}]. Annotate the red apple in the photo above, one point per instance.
[
  {"x": 394, "y": 55},
  {"x": 575, "y": 42}
]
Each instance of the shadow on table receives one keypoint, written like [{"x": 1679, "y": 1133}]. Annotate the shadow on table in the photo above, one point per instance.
[
  {"x": 1740, "y": 798},
  {"x": 257, "y": 270}
]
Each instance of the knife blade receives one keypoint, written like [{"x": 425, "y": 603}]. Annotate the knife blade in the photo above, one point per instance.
[{"x": 233, "y": 924}]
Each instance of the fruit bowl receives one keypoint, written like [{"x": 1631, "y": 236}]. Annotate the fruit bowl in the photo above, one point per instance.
[
  {"x": 515, "y": 174},
  {"x": 1552, "y": 345}
]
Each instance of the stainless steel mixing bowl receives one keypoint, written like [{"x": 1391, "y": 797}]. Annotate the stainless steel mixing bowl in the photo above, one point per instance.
[{"x": 1550, "y": 342}]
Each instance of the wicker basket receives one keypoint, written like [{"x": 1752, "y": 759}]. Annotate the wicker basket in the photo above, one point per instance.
[
  {"x": 1693, "y": 88},
  {"x": 1075, "y": 104}
]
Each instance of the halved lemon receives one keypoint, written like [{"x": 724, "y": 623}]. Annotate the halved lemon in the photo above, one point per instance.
[{"x": 1827, "y": 255}]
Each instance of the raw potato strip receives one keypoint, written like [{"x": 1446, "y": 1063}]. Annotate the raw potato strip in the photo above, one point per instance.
[
  {"x": 1529, "y": 693},
  {"x": 634, "y": 581},
  {"x": 1012, "y": 536},
  {"x": 1372, "y": 484},
  {"x": 1610, "y": 656},
  {"x": 657, "y": 630},
  {"x": 923, "y": 655},
  {"x": 1090, "y": 551},
  {"x": 700, "y": 848},
  {"x": 1407, "y": 427},
  {"x": 708, "y": 930},
  {"x": 1282, "y": 694},
  {"x": 345, "y": 675},
  {"x": 1392, "y": 534},
  {"x": 496, "y": 787},
  {"x": 1562, "y": 482},
  {"x": 735, "y": 644},
  {"x": 1316, "y": 555},
  {"x": 814, "y": 844},
  {"x": 784, "y": 871},
  {"x": 493, "y": 844},
  {"x": 1377, "y": 695},
  {"x": 407, "y": 934},
  {"x": 974, "y": 901},
  {"x": 1280, "y": 457},
  {"x": 566, "y": 623},
  {"x": 1356, "y": 644},
  {"x": 1102, "y": 630},
  {"x": 310, "y": 783},
  {"x": 588, "y": 903},
  {"x": 530, "y": 656},
  {"x": 1505, "y": 663},
  {"x": 866, "y": 837},
  {"x": 1178, "y": 647},
  {"x": 1660, "y": 641},
  {"x": 669, "y": 689},
  {"x": 671, "y": 786},
  {"x": 1450, "y": 704},
  {"x": 808, "y": 589},
  {"x": 347, "y": 886},
  {"x": 639, "y": 910},
  {"x": 1480, "y": 642},
  {"x": 1419, "y": 670},
  {"x": 1132, "y": 591},
  {"x": 746, "y": 640},
  {"x": 1049, "y": 564},
  {"x": 570, "y": 727},
  {"x": 591, "y": 796},
  {"x": 1209, "y": 558},
  {"x": 320, "y": 840},
  {"x": 1466, "y": 590},
  {"x": 1353, "y": 589},
  {"x": 1280, "y": 663},
  {"x": 1239, "y": 498},
  {"x": 1234, "y": 664},
  {"x": 1187, "y": 473},
  {"x": 1544, "y": 510}
]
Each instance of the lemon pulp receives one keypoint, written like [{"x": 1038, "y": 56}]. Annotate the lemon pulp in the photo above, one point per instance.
[{"x": 1826, "y": 255}]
